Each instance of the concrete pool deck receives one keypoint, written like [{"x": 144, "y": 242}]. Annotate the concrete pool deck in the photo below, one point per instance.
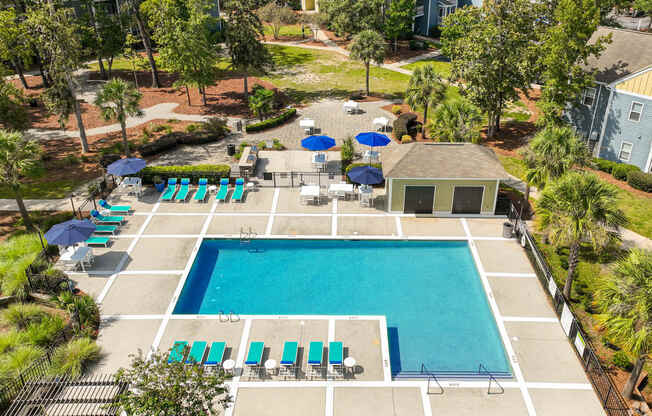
[{"x": 137, "y": 281}]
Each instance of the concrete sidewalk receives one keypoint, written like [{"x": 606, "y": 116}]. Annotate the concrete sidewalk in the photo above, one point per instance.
[{"x": 41, "y": 204}]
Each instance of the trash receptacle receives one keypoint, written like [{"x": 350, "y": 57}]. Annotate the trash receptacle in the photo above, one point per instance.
[
  {"x": 230, "y": 149},
  {"x": 508, "y": 229},
  {"x": 238, "y": 125}
]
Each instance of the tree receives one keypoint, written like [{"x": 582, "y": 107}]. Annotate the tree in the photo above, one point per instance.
[
  {"x": 425, "y": 88},
  {"x": 156, "y": 387},
  {"x": 104, "y": 33},
  {"x": 368, "y": 46},
  {"x": 399, "y": 19},
  {"x": 134, "y": 7},
  {"x": 56, "y": 33},
  {"x": 14, "y": 43},
  {"x": 118, "y": 100},
  {"x": 313, "y": 21},
  {"x": 261, "y": 101},
  {"x": 19, "y": 157},
  {"x": 276, "y": 17},
  {"x": 493, "y": 50},
  {"x": 13, "y": 115},
  {"x": 349, "y": 17},
  {"x": 646, "y": 7},
  {"x": 456, "y": 121},
  {"x": 564, "y": 54},
  {"x": 133, "y": 57},
  {"x": 578, "y": 208},
  {"x": 243, "y": 33},
  {"x": 626, "y": 302}
]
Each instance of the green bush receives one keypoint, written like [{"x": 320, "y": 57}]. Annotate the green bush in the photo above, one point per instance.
[
  {"x": 621, "y": 360},
  {"x": 72, "y": 358},
  {"x": 620, "y": 171},
  {"x": 163, "y": 143},
  {"x": 212, "y": 172},
  {"x": 15, "y": 361},
  {"x": 396, "y": 109},
  {"x": 157, "y": 128},
  {"x": 216, "y": 125},
  {"x": 262, "y": 145},
  {"x": 406, "y": 138},
  {"x": 277, "y": 145},
  {"x": 347, "y": 150},
  {"x": 640, "y": 180},
  {"x": 271, "y": 122},
  {"x": 46, "y": 332},
  {"x": 20, "y": 315},
  {"x": 354, "y": 165},
  {"x": 405, "y": 124},
  {"x": 11, "y": 340},
  {"x": 604, "y": 164},
  {"x": 16, "y": 255},
  {"x": 191, "y": 128}
]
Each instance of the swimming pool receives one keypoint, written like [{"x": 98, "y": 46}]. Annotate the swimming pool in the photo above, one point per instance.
[{"x": 430, "y": 292}]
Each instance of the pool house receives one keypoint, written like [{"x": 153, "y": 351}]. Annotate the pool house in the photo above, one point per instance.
[{"x": 442, "y": 179}]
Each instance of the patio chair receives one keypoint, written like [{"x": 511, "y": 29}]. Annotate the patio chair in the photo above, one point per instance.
[
  {"x": 335, "y": 359},
  {"x": 254, "y": 358},
  {"x": 184, "y": 190},
  {"x": 105, "y": 229},
  {"x": 98, "y": 241},
  {"x": 115, "y": 209},
  {"x": 101, "y": 219},
  {"x": 215, "y": 355},
  {"x": 315, "y": 356},
  {"x": 202, "y": 190},
  {"x": 238, "y": 192},
  {"x": 223, "y": 191},
  {"x": 288, "y": 364},
  {"x": 196, "y": 354},
  {"x": 170, "y": 190},
  {"x": 177, "y": 352}
]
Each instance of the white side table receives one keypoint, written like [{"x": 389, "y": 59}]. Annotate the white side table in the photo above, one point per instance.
[
  {"x": 270, "y": 367},
  {"x": 228, "y": 366},
  {"x": 349, "y": 365},
  {"x": 212, "y": 188},
  {"x": 250, "y": 186}
]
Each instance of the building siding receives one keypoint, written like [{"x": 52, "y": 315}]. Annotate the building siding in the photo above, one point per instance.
[
  {"x": 443, "y": 203},
  {"x": 641, "y": 84}
]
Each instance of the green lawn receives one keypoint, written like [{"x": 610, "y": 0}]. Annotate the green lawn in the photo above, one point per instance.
[
  {"x": 513, "y": 166},
  {"x": 289, "y": 30},
  {"x": 43, "y": 190},
  {"x": 442, "y": 66}
]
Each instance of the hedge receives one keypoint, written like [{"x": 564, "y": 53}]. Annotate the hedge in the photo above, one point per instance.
[
  {"x": 271, "y": 122},
  {"x": 212, "y": 172},
  {"x": 355, "y": 165},
  {"x": 620, "y": 170},
  {"x": 604, "y": 164},
  {"x": 640, "y": 180}
]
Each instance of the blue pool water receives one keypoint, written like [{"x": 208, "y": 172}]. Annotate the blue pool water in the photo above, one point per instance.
[{"x": 430, "y": 292}]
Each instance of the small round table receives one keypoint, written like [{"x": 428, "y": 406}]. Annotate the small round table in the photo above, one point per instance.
[
  {"x": 250, "y": 186},
  {"x": 349, "y": 364},
  {"x": 228, "y": 366},
  {"x": 270, "y": 367},
  {"x": 212, "y": 188}
]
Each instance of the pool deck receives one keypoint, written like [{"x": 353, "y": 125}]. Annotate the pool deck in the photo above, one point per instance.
[{"x": 138, "y": 279}]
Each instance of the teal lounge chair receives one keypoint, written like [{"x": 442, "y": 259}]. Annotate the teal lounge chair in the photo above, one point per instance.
[
  {"x": 335, "y": 359},
  {"x": 254, "y": 358},
  {"x": 215, "y": 355},
  {"x": 177, "y": 352},
  {"x": 238, "y": 193},
  {"x": 196, "y": 354},
  {"x": 101, "y": 219},
  {"x": 98, "y": 241},
  {"x": 288, "y": 364},
  {"x": 202, "y": 190},
  {"x": 184, "y": 190},
  {"x": 115, "y": 209},
  {"x": 315, "y": 357},
  {"x": 170, "y": 190},
  {"x": 223, "y": 191},
  {"x": 105, "y": 229}
]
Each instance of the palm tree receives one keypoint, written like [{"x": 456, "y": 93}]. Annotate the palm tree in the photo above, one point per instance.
[
  {"x": 626, "y": 299},
  {"x": 426, "y": 88},
  {"x": 368, "y": 46},
  {"x": 19, "y": 157},
  {"x": 456, "y": 121},
  {"x": 117, "y": 100},
  {"x": 577, "y": 208}
]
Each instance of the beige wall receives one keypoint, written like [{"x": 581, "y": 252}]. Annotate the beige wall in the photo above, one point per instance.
[{"x": 443, "y": 193}]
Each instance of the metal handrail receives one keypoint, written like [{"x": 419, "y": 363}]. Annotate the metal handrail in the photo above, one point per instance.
[
  {"x": 482, "y": 368},
  {"x": 432, "y": 376}
]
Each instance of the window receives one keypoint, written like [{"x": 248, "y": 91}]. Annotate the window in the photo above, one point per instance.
[
  {"x": 625, "y": 151},
  {"x": 589, "y": 97},
  {"x": 445, "y": 10},
  {"x": 635, "y": 111}
]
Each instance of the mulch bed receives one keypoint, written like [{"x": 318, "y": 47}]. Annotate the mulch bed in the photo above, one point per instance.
[{"x": 620, "y": 184}]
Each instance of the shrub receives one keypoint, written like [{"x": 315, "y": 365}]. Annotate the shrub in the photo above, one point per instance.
[
  {"x": 271, "y": 122},
  {"x": 163, "y": 143},
  {"x": 604, "y": 164},
  {"x": 406, "y": 138},
  {"x": 16, "y": 255},
  {"x": 146, "y": 133},
  {"x": 404, "y": 124},
  {"x": 640, "y": 180},
  {"x": 20, "y": 315},
  {"x": 73, "y": 357},
  {"x": 216, "y": 125},
  {"x": 621, "y": 360},
  {"x": 347, "y": 151},
  {"x": 191, "y": 128},
  {"x": 19, "y": 359},
  {"x": 45, "y": 332},
  {"x": 11, "y": 340},
  {"x": 212, "y": 172},
  {"x": 262, "y": 145},
  {"x": 49, "y": 281},
  {"x": 620, "y": 170},
  {"x": 354, "y": 165},
  {"x": 396, "y": 109},
  {"x": 277, "y": 145},
  {"x": 198, "y": 138},
  {"x": 157, "y": 128}
]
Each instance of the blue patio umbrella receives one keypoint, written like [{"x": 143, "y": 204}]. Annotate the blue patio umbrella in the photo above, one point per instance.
[
  {"x": 372, "y": 139},
  {"x": 366, "y": 175},
  {"x": 70, "y": 232},
  {"x": 318, "y": 143},
  {"x": 125, "y": 167}
]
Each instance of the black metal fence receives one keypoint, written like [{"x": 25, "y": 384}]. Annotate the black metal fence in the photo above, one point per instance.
[
  {"x": 295, "y": 179},
  {"x": 611, "y": 399},
  {"x": 11, "y": 386}
]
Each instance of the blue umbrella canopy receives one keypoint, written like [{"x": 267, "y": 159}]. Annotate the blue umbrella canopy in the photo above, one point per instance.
[
  {"x": 125, "y": 167},
  {"x": 366, "y": 175},
  {"x": 372, "y": 139},
  {"x": 318, "y": 143},
  {"x": 70, "y": 232}
]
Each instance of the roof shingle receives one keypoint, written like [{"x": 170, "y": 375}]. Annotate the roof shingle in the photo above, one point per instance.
[{"x": 629, "y": 52}]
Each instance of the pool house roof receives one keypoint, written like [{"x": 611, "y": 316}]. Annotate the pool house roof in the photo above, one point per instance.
[{"x": 442, "y": 160}]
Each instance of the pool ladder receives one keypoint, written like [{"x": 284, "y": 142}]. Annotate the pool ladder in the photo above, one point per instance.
[
  {"x": 247, "y": 235},
  {"x": 232, "y": 317}
]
